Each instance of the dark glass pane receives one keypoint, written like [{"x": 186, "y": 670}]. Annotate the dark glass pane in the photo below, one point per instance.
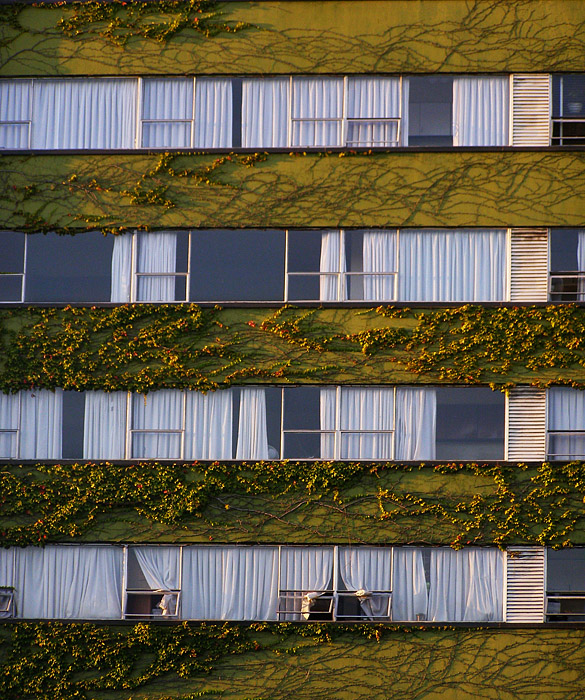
[
  {"x": 12, "y": 256},
  {"x": 136, "y": 580},
  {"x": 566, "y": 570},
  {"x": 572, "y": 95},
  {"x": 305, "y": 287},
  {"x": 73, "y": 414},
  {"x": 470, "y": 423},
  {"x": 563, "y": 250},
  {"x": 302, "y": 408},
  {"x": 69, "y": 268},
  {"x": 354, "y": 250},
  {"x": 304, "y": 251},
  {"x": 273, "y": 405},
  {"x": 182, "y": 251},
  {"x": 302, "y": 446},
  {"x": 10, "y": 287},
  {"x": 237, "y": 265},
  {"x": 430, "y": 107}
]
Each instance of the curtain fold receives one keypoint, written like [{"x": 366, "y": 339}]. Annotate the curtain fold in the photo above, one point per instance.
[
  {"x": 416, "y": 414},
  {"x": 409, "y": 585},
  {"x": 160, "y": 566},
  {"x": 371, "y": 97},
  {"x": 368, "y": 569},
  {"x": 160, "y": 415},
  {"x": 466, "y": 585},
  {"x": 157, "y": 254},
  {"x": 230, "y": 583},
  {"x": 459, "y": 265},
  {"x": 566, "y": 411},
  {"x": 252, "y": 433},
  {"x": 327, "y": 409},
  {"x": 265, "y": 110},
  {"x": 333, "y": 260},
  {"x": 121, "y": 289},
  {"x": 213, "y": 113},
  {"x": 104, "y": 425},
  {"x": 320, "y": 102},
  {"x": 379, "y": 255},
  {"x": 69, "y": 582},
  {"x": 306, "y": 569},
  {"x": 165, "y": 101},
  {"x": 84, "y": 113},
  {"x": 481, "y": 111},
  {"x": 208, "y": 425},
  {"x": 15, "y": 106},
  {"x": 41, "y": 423}
]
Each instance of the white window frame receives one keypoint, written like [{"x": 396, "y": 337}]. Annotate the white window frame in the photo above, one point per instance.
[
  {"x": 14, "y": 432},
  {"x": 131, "y": 431},
  {"x": 142, "y": 121},
  {"x": 136, "y": 274},
  {"x": 23, "y": 122},
  {"x": 148, "y": 592},
  {"x": 22, "y": 274}
]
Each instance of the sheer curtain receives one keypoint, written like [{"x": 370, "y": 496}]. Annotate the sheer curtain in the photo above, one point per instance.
[
  {"x": 581, "y": 263},
  {"x": 307, "y": 570},
  {"x": 15, "y": 106},
  {"x": 416, "y": 411},
  {"x": 265, "y": 110},
  {"x": 466, "y": 585},
  {"x": 104, "y": 425},
  {"x": 379, "y": 255},
  {"x": 208, "y": 425},
  {"x": 369, "y": 98},
  {"x": 460, "y": 265},
  {"x": 9, "y": 420},
  {"x": 157, "y": 254},
  {"x": 121, "y": 290},
  {"x": 566, "y": 411},
  {"x": 320, "y": 102},
  {"x": 327, "y": 421},
  {"x": 84, "y": 113},
  {"x": 409, "y": 585},
  {"x": 252, "y": 434},
  {"x": 366, "y": 569},
  {"x": 481, "y": 111},
  {"x": 69, "y": 582},
  {"x": 160, "y": 416},
  {"x": 41, "y": 423},
  {"x": 160, "y": 567},
  {"x": 230, "y": 583},
  {"x": 213, "y": 113},
  {"x": 168, "y": 102},
  {"x": 333, "y": 260},
  {"x": 367, "y": 409}
]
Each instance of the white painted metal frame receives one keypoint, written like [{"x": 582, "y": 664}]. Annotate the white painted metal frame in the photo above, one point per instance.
[
  {"x": 130, "y": 431},
  {"x": 136, "y": 274}
]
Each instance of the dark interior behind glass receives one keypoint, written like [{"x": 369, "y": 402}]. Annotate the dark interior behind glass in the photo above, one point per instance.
[
  {"x": 565, "y": 582},
  {"x": 73, "y": 420},
  {"x": 568, "y": 93},
  {"x": 565, "y": 284},
  {"x": 430, "y": 111}
]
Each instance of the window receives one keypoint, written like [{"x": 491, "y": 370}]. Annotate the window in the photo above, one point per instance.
[
  {"x": 430, "y": 111},
  {"x": 565, "y": 585},
  {"x": 567, "y": 265},
  {"x": 15, "y": 113},
  {"x": 566, "y": 424},
  {"x": 153, "y": 582},
  {"x": 31, "y": 424},
  {"x": 568, "y": 110}
]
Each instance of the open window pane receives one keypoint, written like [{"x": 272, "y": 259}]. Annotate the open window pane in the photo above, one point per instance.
[{"x": 567, "y": 264}]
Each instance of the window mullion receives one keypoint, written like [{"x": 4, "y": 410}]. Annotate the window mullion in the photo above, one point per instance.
[
  {"x": 337, "y": 441},
  {"x": 193, "y": 112}
]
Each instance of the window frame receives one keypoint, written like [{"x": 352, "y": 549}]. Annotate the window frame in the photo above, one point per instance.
[
  {"x": 22, "y": 274},
  {"x": 24, "y": 122},
  {"x": 136, "y": 275},
  {"x": 131, "y": 431}
]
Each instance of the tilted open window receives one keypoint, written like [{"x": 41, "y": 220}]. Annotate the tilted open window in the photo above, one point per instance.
[{"x": 153, "y": 582}]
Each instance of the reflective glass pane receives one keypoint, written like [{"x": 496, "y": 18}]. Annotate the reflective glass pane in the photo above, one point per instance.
[
  {"x": 12, "y": 246},
  {"x": 430, "y": 109},
  {"x": 302, "y": 407},
  {"x": 303, "y": 446},
  {"x": 10, "y": 287}
]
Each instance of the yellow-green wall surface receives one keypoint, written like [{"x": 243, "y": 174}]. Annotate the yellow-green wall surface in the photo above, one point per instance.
[{"x": 351, "y": 36}]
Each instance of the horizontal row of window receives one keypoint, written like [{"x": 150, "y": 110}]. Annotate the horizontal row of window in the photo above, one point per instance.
[
  {"x": 254, "y": 423},
  {"x": 288, "y": 583},
  {"x": 221, "y": 265},
  {"x": 354, "y": 111}
]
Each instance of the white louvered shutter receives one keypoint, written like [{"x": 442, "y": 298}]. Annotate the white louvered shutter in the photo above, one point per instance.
[
  {"x": 529, "y": 264},
  {"x": 525, "y": 584},
  {"x": 526, "y": 424},
  {"x": 531, "y": 109}
]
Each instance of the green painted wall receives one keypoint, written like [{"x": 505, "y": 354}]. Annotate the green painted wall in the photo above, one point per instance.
[
  {"x": 311, "y": 662},
  {"x": 420, "y": 36},
  {"x": 508, "y": 188}
]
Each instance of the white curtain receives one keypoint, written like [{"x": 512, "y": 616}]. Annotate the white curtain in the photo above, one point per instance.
[
  {"x": 121, "y": 289},
  {"x": 157, "y": 254},
  {"x": 252, "y": 434},
  {"x": 409, "y": 585},
  {"x": 208, "y": 425},
  {"x": 459, "y": 265},
  {"x": 230, "y": 583},
  {"x": 213, "y": 113},
  {"x": 160, "y": 415},
  {"x": 581, "y": 263},
  {"x": 331, "y": 287},
  {"x": 104, "y": 425},
  {"x": 566, "y": 411},
  {"x": 84, "y": 113},
  {"x": 68, "y": 582},
  {"x": 160, "y": 567},
  {"x": 317, "y": 100},
  {"x": 9, "y": 421},
  {"x": 307, "y": 570},
  {"x": 370, "y": 98},
  {"x": 327, "y": 410},
  {"x": 416, "y": 411},
  {"x": 15, "y": 106},
  {"x": 369, "y": 410},
  {"x": 481, "y": 111},
  {"x": 379, "y": 255},
  {"x": 265, "y": 110},
  {"x": 41, "y": 423},
  {"x": 466, "y": 585},
  {"x": 168, "y": 102},
  {"x": 367, "y": 569}
]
